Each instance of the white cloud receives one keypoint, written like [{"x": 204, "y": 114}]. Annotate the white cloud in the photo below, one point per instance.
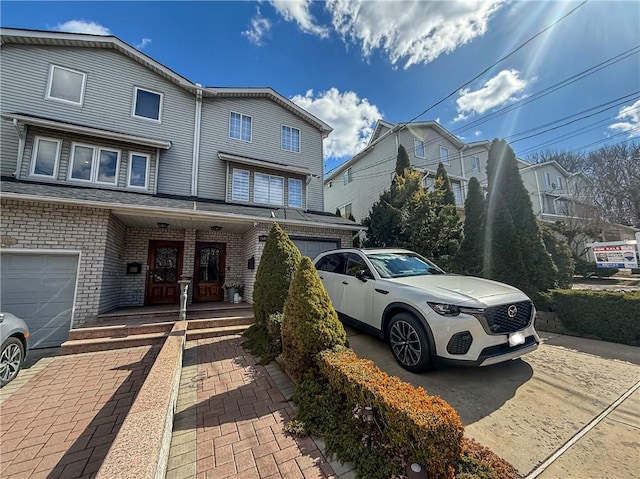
[
  {"x": 477, "y": 133},
  {"x": 412, "y": 31},
  {"x": 143, "y": 43},
  {"x": 82, "y": 26},
  {"x": 298, "y": 11},
  {"x": 260, "y": 26},
  {"x": 497, "y": 91},
  {"x": 630, "y": 120},
  {"x": 351, "y": 117}
]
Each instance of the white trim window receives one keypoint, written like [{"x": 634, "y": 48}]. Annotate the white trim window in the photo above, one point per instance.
[
  {"x": 428, "y": 183},
  {"x": 66, "y": 85},
  {"x": 290, "y": 140},
  {"x": 418, "y": 148},
  {"x": 559, "y": 182},
  {"x": 475, "y": 163},
  {"x": 240, "y": 185},
  {"x": 268, "y": 189},
  {"x": 92, "y": 164},
  {"x": 444, "y": 156},
  {"x": 547, "y": 178},
  {"x": 347, "y": 210},
  {"x": 457, "y": 192},
  {"x": 138, "y": 170},
  {"x": 46, "y": 157},
  {"x": 147, "y": 104},
  {"x": 240, "y": 126},
  {"x": 347, "y": 177},
  {"x": 295, "y": 193}
]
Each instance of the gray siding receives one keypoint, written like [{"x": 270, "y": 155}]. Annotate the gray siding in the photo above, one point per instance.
[
  {"x": 483, "y": 155},
  {"x": 107, "y": 104},
  {"x": 267, "y": 120}
]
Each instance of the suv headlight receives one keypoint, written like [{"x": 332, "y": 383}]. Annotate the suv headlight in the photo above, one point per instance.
[{"x": 444, "y": 309}]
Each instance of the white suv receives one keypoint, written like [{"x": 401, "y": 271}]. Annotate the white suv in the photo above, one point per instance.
[{"x": 425, "y": 313}]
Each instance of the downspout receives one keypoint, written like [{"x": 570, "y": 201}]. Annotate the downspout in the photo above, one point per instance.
[
  {"x": 155, "y": 186},
  {"x": 196, "y": 141},
  {"x": 226, "y": 182},
  {"x": 464, "y": 176},
  {"x": 21, "y": 141},
  {"x": 539, "y": 192}
]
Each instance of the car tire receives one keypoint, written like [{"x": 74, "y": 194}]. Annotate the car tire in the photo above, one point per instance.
[
  {"x": 409, "y": 343},
  {"x": 11, "y": 357}
]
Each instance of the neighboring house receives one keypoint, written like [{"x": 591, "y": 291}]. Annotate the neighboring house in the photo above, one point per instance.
[
  {"x": 120, "y": 176},
  {"x": 357, "y": 184}
]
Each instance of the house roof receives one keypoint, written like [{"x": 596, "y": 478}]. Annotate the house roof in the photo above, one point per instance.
[
  {"x": 49, "y": 38},
  {"x": 86, "y": 130},
  {"x": 299, "y": 170},
  {"x": 130, "y": 202}
]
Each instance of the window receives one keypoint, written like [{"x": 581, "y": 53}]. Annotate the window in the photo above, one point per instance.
[
  {"x": 295, "y": 193},
  {"x": 240, "y": 185},
  {"x": 444, "y": 155},
  {"x": 268, "y": 189},
  {"x": 138, "y": 170},
  {"x": 475, "y": 163},
  {"x": 547, "y": 178},
  {"x": 347, "y": 210},
  {"x": 90, "y": 163},
  {"x": 346, "y": 177},
  {"x": 46, "y": 153},
  {"x": 428, "y": 183},
  {"x": 333, "y": 263},
  {"x": 355, "y": 263},
  {"x": 147, "y": 104},
  {"x": 559, "y": 184},
  {"x": 290, "y": 139},
  {"x": 418, "y": 148},
  {"x": 457, "y": 192},
  {"x": 239, "y": 126},
  {"x": 66, "y": 85}
]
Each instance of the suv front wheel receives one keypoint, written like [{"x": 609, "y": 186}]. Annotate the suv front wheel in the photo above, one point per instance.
[{"x": 409, "y": 343}]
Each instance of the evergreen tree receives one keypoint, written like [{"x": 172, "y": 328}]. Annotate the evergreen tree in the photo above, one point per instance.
[
  {"x": 443, "y": 185},
  {"x": 511, "y": 229},
  {"x": 402, "y": 161},
  {"x": 560, "y": 252},
  {"x": 310, "y": 322},
  {"x": 338, "y": 212},
  {"x": 469, "y": 257},
  {"x": 277, "y": 266}
]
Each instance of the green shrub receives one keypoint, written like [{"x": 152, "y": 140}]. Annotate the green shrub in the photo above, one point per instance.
[
  {"x": 274, "y": 326},
  {"x": 560, "y": 252},
  {"x": 310, "y": 323},
  {"x": 610, "y": 316},
  {"x": 479, "y": 462},
  {"x": 588, "y": 268},
  {"x": 427, "y": 425},
  {"x": 260, "y": 343},
  {"x": 277, "y": 266}
]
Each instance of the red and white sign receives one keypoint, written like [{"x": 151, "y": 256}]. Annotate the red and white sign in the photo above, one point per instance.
[{"x": 616, "y": 256}]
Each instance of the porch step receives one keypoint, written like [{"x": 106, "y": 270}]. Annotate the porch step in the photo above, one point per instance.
[
  {"x": 119, "y": 331},
  {"x": 214, "y": 327},
  {"x": 104, "y": 344},
  {"x": 144, "y": 315},
  {"x": 204, "y": 333}
]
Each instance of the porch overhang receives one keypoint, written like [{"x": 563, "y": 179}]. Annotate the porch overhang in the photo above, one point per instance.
[
  {"x": 243, "y": 160},
  {"x": 86, "y": 130}
]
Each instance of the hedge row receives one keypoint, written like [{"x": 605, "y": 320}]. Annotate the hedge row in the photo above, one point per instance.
[
  {"x": 610, "y": 316},
  {"x": 427, "y": 424}
]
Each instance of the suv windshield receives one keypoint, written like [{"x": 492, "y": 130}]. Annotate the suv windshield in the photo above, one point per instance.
[{"x": 400, "y": 265}]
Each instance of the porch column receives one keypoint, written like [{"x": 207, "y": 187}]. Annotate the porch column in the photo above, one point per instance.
[{"x": 188, "y": 258}]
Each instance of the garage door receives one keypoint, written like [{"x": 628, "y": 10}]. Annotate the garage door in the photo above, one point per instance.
[
  {"x": 40, "y": 289},
  {"x": 312, "y": 247}
]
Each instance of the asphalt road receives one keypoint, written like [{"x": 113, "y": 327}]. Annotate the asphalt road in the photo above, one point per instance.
[{"x": 552, "y": 414}]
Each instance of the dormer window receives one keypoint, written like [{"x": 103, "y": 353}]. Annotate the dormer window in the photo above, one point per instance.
[
  {"x": 147, "y": 104},
  {"x": 240, "y": 126},
  {"x": 66, "y": 85},
  {"x": 46, "y": 155}
]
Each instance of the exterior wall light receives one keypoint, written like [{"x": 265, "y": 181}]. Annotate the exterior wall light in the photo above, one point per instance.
[
  {"x": 216, "y": 228},
  {"x": 163, "y": 226}
]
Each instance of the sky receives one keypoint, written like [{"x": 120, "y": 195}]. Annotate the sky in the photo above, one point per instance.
[{"x": 574, "y": 87}]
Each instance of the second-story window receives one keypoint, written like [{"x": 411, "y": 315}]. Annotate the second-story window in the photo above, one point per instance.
[
  {"x": 559, "y": 184},
  {"x": 239, "y": 126},
  {"x": 268, "y": 189},
  {"x": 457, "y": 192},
  {"x": 93, "y": 164},
  {"x": 444, "y": 156},
  {"x": 147, "y": 104},
  {"x": 290, "y": 139},
  {"x": 295, "y": 193},
  {"x": 240, "y": 185},
  {"x": 547, "y": 178},
  {"x": 66, "y": 85},
  {"x": 347, "y": 177},
  {"x": 46, "y": 154},
  {"x": 138, "y": 170},
  {"x": 475, "y": 163},
  {"x": 418, "y": 148}
]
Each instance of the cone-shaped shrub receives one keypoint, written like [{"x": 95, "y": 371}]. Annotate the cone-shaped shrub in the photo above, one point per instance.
[
  {"x": 310, "y": 323},
  {"x": 278, "y": 264}
]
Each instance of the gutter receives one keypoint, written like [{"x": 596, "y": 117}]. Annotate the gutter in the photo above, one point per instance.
[
  {"x": 535, "y": 173},
  {"x": 196, "y": 141},
  {"x": 21, "y": 141}
]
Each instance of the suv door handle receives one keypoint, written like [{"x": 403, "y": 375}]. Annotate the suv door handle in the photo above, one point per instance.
[
  {"x": 345, "y": 282},
  {"x": 321, "y": 277}
]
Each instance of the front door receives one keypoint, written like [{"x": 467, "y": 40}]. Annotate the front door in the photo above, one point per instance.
[
  {"x": 165, "y": 269},
  {"x": 209, "y": 272}
]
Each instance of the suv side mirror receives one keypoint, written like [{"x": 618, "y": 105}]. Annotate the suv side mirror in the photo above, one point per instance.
[{"x": 363, "y": 275}]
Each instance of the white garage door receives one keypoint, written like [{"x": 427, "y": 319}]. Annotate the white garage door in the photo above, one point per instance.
[
  {"x": 312, "y": 247},
  {"x": 40, "y": 288}
]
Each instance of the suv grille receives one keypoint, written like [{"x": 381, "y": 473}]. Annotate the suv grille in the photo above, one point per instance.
[{"x": 498, "y": 320}]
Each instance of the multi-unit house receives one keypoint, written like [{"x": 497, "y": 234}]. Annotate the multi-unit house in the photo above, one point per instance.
[{"x": 119, "y": 177}]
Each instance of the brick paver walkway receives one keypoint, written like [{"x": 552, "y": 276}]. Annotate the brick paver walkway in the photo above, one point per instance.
[
  {"x": 240, "y": 417},
  {"x": 61, "y": 422}
]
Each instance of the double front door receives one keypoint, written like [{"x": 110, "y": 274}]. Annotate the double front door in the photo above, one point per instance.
[{"x": 165, "y": 269}]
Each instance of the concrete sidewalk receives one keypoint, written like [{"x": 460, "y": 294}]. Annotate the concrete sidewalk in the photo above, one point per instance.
[{"x": 230, "y": 419}]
